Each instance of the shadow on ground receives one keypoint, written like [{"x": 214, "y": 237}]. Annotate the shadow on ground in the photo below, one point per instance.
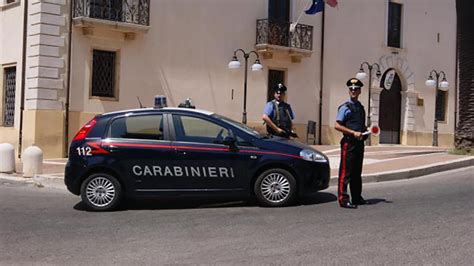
[
  {"x": 324, "y": 197},
  {"x": 377, "y": 201},
  {"x": 200, "y": 203},
  {"x": 318, "y": 198}
]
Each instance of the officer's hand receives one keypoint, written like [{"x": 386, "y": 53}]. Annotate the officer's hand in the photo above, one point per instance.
[
  {"x": 293, "y": 134},
  {"x": 358, "y": 135},
  {"x": 280, "y": 131}
]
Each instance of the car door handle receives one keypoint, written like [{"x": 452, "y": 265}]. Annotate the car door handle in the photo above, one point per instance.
[
  {"x": 111, "y": 148},
  {"x": 181, "y": 152}
]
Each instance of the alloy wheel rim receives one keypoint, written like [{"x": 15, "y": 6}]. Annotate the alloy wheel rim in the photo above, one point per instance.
[
  {"x": 100, "y": 191},
  {"x": 275, "y": 187}
]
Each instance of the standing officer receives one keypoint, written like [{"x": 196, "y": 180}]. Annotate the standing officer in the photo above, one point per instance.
[
  {"x": 278, "y": 114},
  {"x": 351, "y": 122}
]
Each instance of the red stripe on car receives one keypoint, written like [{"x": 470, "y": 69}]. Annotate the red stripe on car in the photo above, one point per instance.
[{"x": 193, "y": 148}]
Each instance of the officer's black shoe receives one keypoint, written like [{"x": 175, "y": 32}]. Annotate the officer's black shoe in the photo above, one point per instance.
[
  {"x": 348, "y": 205},
  {"x": 361, "y": 201}
]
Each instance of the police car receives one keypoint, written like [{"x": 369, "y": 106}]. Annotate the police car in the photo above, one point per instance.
[{"x": 183, "y": 151}]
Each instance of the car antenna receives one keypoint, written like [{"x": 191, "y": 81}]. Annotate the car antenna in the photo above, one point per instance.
[{"x": 139, "y": 102}]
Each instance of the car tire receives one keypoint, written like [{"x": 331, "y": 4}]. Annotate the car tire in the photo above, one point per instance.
[
  {"x": 101, "y": 192},
  {"x": 275, "y": 188}
]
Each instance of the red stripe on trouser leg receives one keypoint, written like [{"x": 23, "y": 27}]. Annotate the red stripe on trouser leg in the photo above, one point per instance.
[{"x": 343, "y": 171}]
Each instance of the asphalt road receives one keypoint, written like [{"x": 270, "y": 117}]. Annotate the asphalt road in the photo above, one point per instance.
[{"x": 427, "y": 220}]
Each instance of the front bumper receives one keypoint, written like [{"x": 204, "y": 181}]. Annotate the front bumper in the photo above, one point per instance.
[{"x": 316, "y": 177}]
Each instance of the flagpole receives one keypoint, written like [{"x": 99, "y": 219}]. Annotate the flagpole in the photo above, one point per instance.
[{"x": 293, "y": 25}]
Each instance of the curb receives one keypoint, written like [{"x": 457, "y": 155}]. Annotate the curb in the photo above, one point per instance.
[
  {"x": 412, "y": 172},
  {"x": 37, "y": 181}
]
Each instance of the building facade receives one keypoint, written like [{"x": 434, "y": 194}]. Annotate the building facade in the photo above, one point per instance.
[{"x": 86, "y": 57}]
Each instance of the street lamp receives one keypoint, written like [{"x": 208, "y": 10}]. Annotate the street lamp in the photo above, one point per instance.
[
  {"x": 443, "y": 85},
  {"x": 362, "y": 75},
  {"x": 235, "y": 63}
]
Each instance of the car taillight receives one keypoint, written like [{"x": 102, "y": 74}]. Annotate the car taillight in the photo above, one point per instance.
[{"x": 82, "y": 134}]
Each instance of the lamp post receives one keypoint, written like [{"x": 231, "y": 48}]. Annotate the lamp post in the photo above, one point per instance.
[
  {"x": 443, "y": 85},
  {"x": 362, "y": 75},
  {"x": 235, "y": 63}
]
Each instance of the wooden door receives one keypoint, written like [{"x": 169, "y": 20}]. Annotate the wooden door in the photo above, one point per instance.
[
  {"x": 390, "y": 112},
  {"x": 274, "y": 77}
]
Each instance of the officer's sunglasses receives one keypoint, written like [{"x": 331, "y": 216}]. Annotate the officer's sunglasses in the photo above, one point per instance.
[{"x": 354, "y": 89}]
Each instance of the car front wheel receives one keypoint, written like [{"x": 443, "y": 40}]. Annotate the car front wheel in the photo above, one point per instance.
[
  {"x": 275, "y": 188},
  {"x": 101, "y": 192}
]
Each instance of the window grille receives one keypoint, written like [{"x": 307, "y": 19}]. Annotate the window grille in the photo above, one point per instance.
[
  {"x": 128, "y": 11},
  {"x": 278, "y": 33},
  {"x": 9, "y": 96},
  {"x": 394, "y": 32},
  {"x": 103, "y": 73}
]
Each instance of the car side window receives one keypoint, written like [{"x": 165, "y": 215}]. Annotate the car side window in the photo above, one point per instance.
[
  {"x": 148, "y": 127},
  {"x": 243, "y": 142},
  {"x": 194, "y": 129}
]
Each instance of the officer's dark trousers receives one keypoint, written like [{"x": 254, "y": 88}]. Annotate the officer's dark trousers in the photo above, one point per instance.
[{"x": 350, "y": 170}]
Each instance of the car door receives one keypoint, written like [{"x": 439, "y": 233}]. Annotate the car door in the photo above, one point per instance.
[
  {"x": 203, "y": 160},
  {"x": 140, "y": 145}
]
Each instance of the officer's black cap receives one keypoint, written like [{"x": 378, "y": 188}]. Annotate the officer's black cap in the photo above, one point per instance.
[
  {"x": 280, "y": 88},
  {"x": 354, "y": 83}
]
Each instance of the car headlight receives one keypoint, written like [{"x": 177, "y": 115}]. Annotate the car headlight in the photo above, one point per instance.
[{"x": 312, "y": 156}]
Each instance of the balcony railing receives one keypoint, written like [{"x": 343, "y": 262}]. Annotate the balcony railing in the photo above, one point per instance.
[
  {"x": 278, "y": 33},
  {"x": 126, "y": 11}
]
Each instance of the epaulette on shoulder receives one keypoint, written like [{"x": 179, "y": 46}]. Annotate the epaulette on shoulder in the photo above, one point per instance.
[{"x": 349, "y": 105}]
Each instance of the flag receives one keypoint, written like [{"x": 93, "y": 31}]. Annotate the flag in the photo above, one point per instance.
[
  {"x": 316, "y": 6},
  {"x": 331, "y": 3}
]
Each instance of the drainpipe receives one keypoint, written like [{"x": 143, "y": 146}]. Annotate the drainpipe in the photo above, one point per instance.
[
  {"x": 68, "y": 84},
  {"x": 456, "y": 85},
  {"x": 23, "y": 76},
  {"x": 321, "y": 73}
]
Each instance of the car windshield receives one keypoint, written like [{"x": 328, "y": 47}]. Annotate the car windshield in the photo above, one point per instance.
[{"x": 240, "y": 126}]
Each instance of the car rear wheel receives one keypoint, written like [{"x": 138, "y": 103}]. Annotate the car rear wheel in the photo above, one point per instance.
[
  {"x": 275, "y": 188},
  {"x": 101, "y": 192}
]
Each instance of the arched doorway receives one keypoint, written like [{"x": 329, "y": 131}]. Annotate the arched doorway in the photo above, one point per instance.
[{"x": 390, "y": 108}]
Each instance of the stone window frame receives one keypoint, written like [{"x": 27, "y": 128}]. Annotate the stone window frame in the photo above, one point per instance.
[
  {"x": 117, "y": 73},
  {"x": 402, "y": 18},
  {"x": 2, "y": 91},
  {"x": 5, "y": 4}
]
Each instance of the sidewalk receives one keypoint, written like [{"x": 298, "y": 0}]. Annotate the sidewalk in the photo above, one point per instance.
[
  {"x": 392, "y": 162},
  {"x": 381, "y": 163}
]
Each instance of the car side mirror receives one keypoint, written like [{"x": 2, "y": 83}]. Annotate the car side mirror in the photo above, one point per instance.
[{"x": 229, "y": 140}]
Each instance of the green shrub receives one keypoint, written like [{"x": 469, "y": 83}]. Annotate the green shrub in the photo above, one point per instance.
[{"x": 456, "y": 151}]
